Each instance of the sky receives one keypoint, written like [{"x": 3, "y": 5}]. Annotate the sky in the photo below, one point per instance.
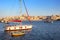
[{"x": 34, "y": 7}]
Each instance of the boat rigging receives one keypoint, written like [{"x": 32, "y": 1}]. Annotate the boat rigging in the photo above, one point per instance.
[{"x": 19, "y": 27}]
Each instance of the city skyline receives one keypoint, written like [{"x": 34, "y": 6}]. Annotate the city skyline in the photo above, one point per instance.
[{"x": 34, "y": 7}]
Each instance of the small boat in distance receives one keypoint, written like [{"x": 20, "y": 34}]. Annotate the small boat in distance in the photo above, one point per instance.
[{"x": 48, "y": 20}]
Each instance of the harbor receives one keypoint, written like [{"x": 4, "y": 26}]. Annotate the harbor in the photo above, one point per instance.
[
  {"x": 29, "y": 20},
  {"x": 32, "y": 18}
]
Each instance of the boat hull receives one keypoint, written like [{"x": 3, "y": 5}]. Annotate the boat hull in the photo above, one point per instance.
[
  {"x": 16, "y": 28},
  {"x": 16, "y": 35}
]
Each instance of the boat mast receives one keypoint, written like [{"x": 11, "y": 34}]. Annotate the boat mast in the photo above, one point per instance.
[
  {"x": 28, "y": 17},
  {"x": 20, "y": 9},
  {"x": 25, "y": 8}
]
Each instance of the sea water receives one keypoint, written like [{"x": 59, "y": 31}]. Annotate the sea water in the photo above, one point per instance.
[{"x": 40, "y": 31}]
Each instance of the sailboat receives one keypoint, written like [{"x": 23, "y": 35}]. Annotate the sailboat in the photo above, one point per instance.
[
  {"x": 48, "y": 20},
  {"x": 19, "y": 27}
]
